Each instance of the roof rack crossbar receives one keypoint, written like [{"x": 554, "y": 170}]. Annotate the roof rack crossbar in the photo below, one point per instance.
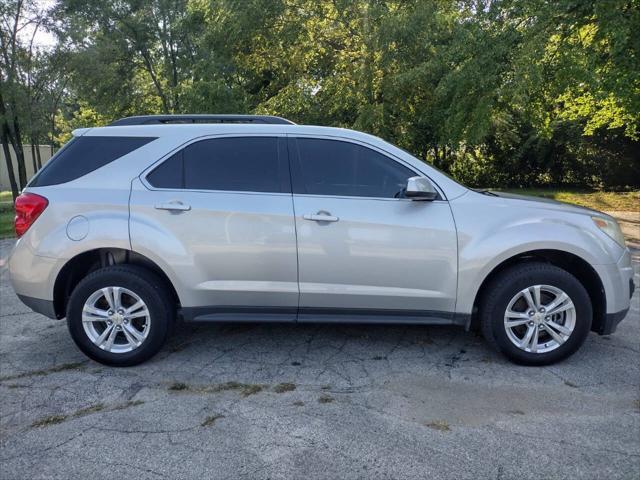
[{"x": 200, "y": 118}]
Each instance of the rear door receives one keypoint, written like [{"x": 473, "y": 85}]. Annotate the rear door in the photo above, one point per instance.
[
  {"x": 364, "y": 252},
  {"x": 219, "y": 214}
]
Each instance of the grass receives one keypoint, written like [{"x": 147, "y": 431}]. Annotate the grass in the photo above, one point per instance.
[
  {"x": 6, "y": 221},
  {"x": 48, "y": 421},
  {"x": 621, "y": 201},
  {"x": 325, "y": 399},
  {"x": 284, "y": 387},
  {"x": 83, "y": 412},
  {"x": 210, "y": 420},
  {"x": 440, "y": 425},
  {"x": 46, "y": 371},
  {"x": 245, "y": 389}
]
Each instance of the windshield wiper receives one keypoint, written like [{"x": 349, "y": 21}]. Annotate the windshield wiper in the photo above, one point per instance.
[{"x": 485, "y": 192}]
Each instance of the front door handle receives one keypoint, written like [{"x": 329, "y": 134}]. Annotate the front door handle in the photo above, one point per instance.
[
  {"x": 321, "y": 216},
  {"x": 173, "y": 206}
]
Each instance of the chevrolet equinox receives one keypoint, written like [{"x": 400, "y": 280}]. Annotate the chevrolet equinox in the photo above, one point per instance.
[{"x": 252, "y": 218}]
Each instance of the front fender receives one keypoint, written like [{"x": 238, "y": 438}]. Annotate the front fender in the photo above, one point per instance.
[{"x": 486, "y": 241}]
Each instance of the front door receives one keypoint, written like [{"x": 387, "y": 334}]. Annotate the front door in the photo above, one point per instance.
[{"x": 364, "y": 252}]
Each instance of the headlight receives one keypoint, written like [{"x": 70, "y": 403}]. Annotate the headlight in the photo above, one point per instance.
[{"x": 611, "y": 228}]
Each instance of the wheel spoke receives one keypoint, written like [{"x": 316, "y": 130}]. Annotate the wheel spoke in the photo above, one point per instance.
[
  {"x": 117, "y": 297},
  {"x": 141, "y": 313},
  {"x": 568, "y": 305},
  {"x": 136, "y": 306},
  {"x": 536, "y": 297},
  {"x": 512, "y": 314},
  {"x": 93, "y": 314},
  {"x": 530, "y": 301},
  {"x": 112, "y": 336},
  {"x": 100, "y": 340},
  {"x": 95, "y": 311},
  {"x": 130, "y": 330},
  {"x": 132, "y": 341},
  {"x": 533, "y": 345},
  {"x": 108, "y": 295},
  {"x": 517, "y": 323},
  {"x": 556, "y": 303},
  {"x": 557, "y": 337},
  {"x": 560, "y": 328},
  {"x": 524, "y": 343}
]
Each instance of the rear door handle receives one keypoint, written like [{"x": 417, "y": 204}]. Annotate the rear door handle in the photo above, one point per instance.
[
  {"x": 320, "y": 217},
  {"x": 173, "y": 206}
]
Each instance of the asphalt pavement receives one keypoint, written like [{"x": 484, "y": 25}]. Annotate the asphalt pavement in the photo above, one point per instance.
[{"x": 284, "y": 401}]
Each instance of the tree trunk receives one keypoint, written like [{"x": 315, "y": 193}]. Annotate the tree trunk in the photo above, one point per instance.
[
  {"x": 14, "y": 138},
  {"x": 443, "y": 165},
  {"x": 39, "y": 157},
  {"x": 17, "y": 146},
  {"x": 33, "y": 156},
  {"x": 7, "y": 153}
]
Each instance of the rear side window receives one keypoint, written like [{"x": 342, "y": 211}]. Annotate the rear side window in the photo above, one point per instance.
[
  {"x": 337, "y": 168},
  {"x": 83, "y": 155},
  {"x": 241, "y": 164}
]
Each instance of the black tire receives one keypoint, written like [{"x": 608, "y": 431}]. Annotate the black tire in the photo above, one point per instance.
[
  {"x": 149, "y": 287},
  {"x": 507, "y": 284}
]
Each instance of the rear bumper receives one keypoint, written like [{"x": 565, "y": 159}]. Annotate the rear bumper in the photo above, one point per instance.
[{"x": 31, "y": 275}]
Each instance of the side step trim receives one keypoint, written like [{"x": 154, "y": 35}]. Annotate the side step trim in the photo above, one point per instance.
[{"x": 235, "y": 313}]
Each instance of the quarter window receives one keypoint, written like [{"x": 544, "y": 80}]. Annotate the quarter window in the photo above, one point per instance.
[
  {"x": 169, "y": 174},
  {"x": 337, "y": 168},
  {"x": 83, "y": 155}
]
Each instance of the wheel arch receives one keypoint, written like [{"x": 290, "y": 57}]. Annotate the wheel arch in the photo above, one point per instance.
[
  {"x": 575, "y": 265},
  {"x": 76, "y": 268}
]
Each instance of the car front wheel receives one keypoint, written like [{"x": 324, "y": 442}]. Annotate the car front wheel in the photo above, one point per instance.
[{"x": 536, "y": 313}]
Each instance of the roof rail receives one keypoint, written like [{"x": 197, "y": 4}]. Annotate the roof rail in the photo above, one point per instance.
[{"x": 200, "y": 118}]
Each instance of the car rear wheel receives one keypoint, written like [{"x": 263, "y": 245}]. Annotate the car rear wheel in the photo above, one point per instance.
[
  {"x": 536, "y": 313},
  {"x": 120, "y": 315}
]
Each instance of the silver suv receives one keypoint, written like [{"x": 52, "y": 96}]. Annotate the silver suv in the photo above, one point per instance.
[{"x": 253, "y": 218}]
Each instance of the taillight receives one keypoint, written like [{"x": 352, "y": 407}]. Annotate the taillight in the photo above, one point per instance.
[{"x": 29, "y": 206}]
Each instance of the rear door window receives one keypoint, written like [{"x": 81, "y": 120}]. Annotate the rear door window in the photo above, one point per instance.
[
  {"x": 83, "y": 155},
  {"x": 238, "y": 164}
]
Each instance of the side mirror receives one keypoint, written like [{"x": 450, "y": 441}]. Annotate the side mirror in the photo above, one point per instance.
[{"x": 420, "y": 188}]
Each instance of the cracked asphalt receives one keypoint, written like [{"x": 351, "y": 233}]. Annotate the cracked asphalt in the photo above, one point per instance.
[{"x": 314, "y": 401}]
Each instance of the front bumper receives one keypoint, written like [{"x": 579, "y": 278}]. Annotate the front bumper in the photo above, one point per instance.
[
  {"x": 38, "y": 305},
  {"x": 617, "y": 280},
  {"x": 612, "y": 320}
]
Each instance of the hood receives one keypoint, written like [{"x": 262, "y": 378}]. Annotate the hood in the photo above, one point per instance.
[{"x": 547, "y": 203}]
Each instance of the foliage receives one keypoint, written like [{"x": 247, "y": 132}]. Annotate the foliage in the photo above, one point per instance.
[
  {"x": 602, "y": 201},
  {"x": 495, "y": 92}
]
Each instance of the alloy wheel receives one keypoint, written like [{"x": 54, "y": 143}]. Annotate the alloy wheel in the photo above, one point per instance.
[
  {"x": 540, "y": 318},
  {"x": 116, "y": 319}
]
